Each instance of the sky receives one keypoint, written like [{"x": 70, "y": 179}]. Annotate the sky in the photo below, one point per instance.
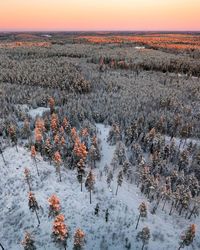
[{"x": 69, "y": 15}]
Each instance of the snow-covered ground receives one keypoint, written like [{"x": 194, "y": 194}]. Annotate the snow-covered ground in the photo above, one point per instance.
[
  {"x": 37, "y": 112},
  {"x": 33, "y": 112},
  {"x": 139, "y": 47},
  {"x": 15, "y": 217}
]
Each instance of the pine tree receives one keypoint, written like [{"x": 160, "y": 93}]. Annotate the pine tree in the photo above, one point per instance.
[
  {"x": 93, "y": 155},
  {"x": 143, "y": 212},
  {"x": 56, "y": 140},
  {"x": 46, "y": 124},
  {"x": 81, "y": 171},
  {"x": 52, "y": 106},
  {"x": 28, "y": 242},
  {"x": 187, "y": 236},
  {"x": 120, "y": 152},
  {"x": 95, "y": 144},
  {"x": 54, "y": 124},
  {"x": 109, "y": 178},
  {"x": 33, "y": 156},
  {"x": 144, "y": 236},
  {"x": 89, "y": 183},
  {"x": 48, "y": 148},
  {"x": 78, "y": 239},
  {"x": 57, "y": 162},
  {"x": 66, "y": 125},
  {"x": 13, "y": 136},
  {"x": 54, "y": 206},
  {"x": 119, "y": 179},
  {"x": 26, "y": 130},
  {"x": 115, "y": 161},
  {"x": 33, "y": 205},
  {"x": 127, "y": 170},
  {"x": 60, "y": 232},
  {"x": 27, "y": 177},
  {"x": 38, "y": 139}
]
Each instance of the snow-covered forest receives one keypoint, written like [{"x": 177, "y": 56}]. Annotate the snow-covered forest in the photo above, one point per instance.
[{"x": 95, "y": 154}]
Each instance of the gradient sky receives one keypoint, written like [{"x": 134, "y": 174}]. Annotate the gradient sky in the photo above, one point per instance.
[{"x": 99, "y": 15}]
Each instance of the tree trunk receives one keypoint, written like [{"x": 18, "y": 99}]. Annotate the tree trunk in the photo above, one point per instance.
[
  {"x": 59, "y": 173},
  {"x": 180, "y": 211},
  {"x": 81, "y": 183},
  {"x": 171, "y": 208},
  {"x": 90, "y": 196},
  {"x": 143, "y": 246},
  {"x": 192, "y": 212},
  {"x": 16, "y": 147},
  {"x": 36, "y": 167},
  {"x": 3, "y": 158},
  {"x": 164, "y": 204},
  {"x": 29, "y": 184},
  {"x": 1, "y": 247},
  {"x": 180, "y": 246},
  {"x": 37, "y": 216},
  {"x": 138, "y": 221},
  {"x": 117, "y": 189}
]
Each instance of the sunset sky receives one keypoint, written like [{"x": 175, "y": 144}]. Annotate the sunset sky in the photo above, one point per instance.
[{"x": 99, "y": 15}]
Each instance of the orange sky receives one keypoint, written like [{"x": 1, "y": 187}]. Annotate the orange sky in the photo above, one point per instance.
[{"x": 99, "y": 15}]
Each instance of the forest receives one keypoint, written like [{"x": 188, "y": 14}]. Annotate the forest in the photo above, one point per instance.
[{"x": 99, "y": 140}]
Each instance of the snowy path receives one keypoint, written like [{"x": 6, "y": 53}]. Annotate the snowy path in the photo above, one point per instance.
[{"x": 16, "y": 218}]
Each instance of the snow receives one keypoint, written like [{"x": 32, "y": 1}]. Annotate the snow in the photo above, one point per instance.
[
  {"x": 16, "y": 218},
  {"x": 33, "y": 112},
  {"x": 139, "y": 47},
  {"x": 37, "y": 112}
]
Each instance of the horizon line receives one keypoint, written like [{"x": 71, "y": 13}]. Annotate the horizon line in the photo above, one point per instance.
[{"x": 120, "y": 30}]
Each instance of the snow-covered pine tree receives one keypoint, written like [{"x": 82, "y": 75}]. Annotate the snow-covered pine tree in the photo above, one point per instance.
[
  {"x": 60, "y": 232},
  {"x": 127, "y": 170},
  {"x": 54, "y": 206},
  {"x": 13, "y": 136},
  {"x": 80, "y": 171},
  {"x": 28, "y": 242},
  {"x": 187, "y": 236},
  {"x": 34, "y": 157},
  {"x": 33, "y": 205},
  {"x": 143, "y": 212},
  {"x": 78, "y": 239},
  {"x": 26, "y": 132},
  {"x": 48, "y": 148},
  {"x": 119, "y": 179},
  {"x": 46, "y": 124},
  {"x": 144, "y": 236},
  {"x": 93, "y": 156},
  {"x": 115, "y": 161},
  {"x": 52, "y": 106},
  {"x": 109, "y": 178},
  {"x": 27, "y": 177},
  {"x": 57, "y": 162},
  {"x": 89, "y": 183}
]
